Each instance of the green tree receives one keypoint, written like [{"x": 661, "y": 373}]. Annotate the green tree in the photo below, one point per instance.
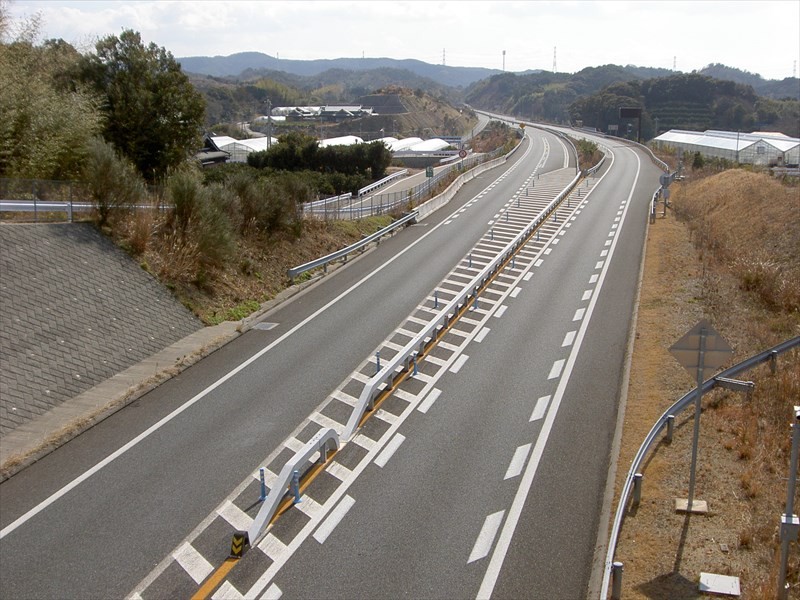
[
  {"x": 45, "y": 126},
  {"x": 154, "y": 116}
]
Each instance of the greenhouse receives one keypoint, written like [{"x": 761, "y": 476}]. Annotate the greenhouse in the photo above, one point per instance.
[{"x": 758, "y": 148}]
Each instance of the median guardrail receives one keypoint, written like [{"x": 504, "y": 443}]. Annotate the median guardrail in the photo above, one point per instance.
[
  {"x": 323, "y": 442},
  {"x": 405, "y": 358}
]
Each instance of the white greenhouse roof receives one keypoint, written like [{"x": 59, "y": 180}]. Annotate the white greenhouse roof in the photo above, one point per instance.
[
  {"x": 727, "y": 140},
  {"x": 347, "y": 140},
  {"x": 404, "y": 144},
  {"x": 431, "y": 145}
]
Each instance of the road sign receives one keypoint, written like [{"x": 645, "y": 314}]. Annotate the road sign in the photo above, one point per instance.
[
  {"x": 687, "y": 350},
  {"x": 665, "y": 179},
  {"x": 702, "y": 347},
  {"x": 428, "y": 171},
  {"x": 522, "y": 125},
  {"x": 462, "y": 153}
]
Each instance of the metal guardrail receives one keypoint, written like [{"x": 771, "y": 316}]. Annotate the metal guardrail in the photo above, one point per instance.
[
  {"x": 404, "y": 359},
  {"x": 382, "y": 182},
  {"x": 663, "y": 421},
  {"x": 323, "y": 262},
  {"x": 323, "y": 441},
  {"x": 419, "y": 213}
]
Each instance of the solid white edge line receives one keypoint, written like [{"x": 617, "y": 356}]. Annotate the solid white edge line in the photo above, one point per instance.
[
  {"x": 514, "y": 513},
  {"x": 336, "y": 516},
  {"x": 159, "y": 424}
]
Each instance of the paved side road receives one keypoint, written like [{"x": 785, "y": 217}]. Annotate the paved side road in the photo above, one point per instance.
[{"x": 74, "y": 311}]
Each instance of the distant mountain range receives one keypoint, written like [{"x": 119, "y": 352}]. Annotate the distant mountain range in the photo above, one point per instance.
[
  {"x": 237, "y": 64},
  {"x": 246, "y": 65}
]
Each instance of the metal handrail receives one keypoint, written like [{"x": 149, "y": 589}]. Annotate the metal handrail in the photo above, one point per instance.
[
  {"x": 682, "y": 403},
  {"x": 416, "y": 346}
]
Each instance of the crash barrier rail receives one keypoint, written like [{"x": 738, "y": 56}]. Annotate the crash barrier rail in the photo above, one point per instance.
[
  {"x": 425, "y": 209},
  {"x": 53, "y": 200},
  {"x": 406, "y": 358},
  {"x": 323, "y": 262},
  {"x": 382, "y": 182},
  {"x": 667, "y": 421},
  {"x": 418, "y": 214},
  {"x": 324, "y": 441},
  {"x": 322, "y": 204},
  {"x": 379, "y": 204}
]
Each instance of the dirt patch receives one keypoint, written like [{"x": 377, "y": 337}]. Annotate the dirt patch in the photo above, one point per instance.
[{"x": 695, "y": 268}]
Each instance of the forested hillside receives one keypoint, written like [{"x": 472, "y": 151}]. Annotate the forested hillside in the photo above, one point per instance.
[
  {"x": 688, "y": 101},
  {"x": 593, "y": 97}
]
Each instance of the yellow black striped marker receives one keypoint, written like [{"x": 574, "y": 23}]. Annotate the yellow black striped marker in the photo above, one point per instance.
[{"x": 240, "y": 544}]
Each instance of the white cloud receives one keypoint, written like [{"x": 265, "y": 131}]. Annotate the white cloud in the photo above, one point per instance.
[{"x": 761, "y": 37}]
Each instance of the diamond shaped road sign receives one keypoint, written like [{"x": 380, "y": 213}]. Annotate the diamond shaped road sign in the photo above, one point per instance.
[{"x": 716, "y": 350}]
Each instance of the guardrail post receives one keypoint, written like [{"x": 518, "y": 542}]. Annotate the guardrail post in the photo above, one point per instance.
[
  {"x": 773, "y": 361},
  {"x": 296, "y": 486},
  {"x": 555, "y": 216},
  {"x": 415, "y": 366},
  {"x": 491, "y": 234},
  {"x": 637, "y": 489},
  {"x": 263, "y": 495},
  {"x": 670, "y": 428},
  {"x": 616, "y": 581},
  {"x": 470, "y": 260},
  {"x": 790, "y": 525},
  {"x": 377, "y": 362},
  {"x": 537, "y": 234},
  {"x": 435, "y": 298}
]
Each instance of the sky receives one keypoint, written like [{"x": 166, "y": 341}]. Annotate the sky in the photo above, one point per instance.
[{"x": 760, "y": 37}]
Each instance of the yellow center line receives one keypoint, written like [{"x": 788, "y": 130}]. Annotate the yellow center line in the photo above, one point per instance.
[
  {"x": 210, "y": 584},
  {"x": 216, "y": 578}
]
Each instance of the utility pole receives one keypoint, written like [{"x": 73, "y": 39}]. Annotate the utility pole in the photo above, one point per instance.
[
  {"x": 269, "y": 124},
  {"x": 504, "y": 60}
]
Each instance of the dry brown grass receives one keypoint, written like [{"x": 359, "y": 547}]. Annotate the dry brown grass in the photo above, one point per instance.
[
  {"x": 702, "y": 266},
  {"x": 255, "y": 274}
]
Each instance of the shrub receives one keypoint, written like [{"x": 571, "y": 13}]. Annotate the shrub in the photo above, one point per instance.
[{"x": 112, "y": 182}]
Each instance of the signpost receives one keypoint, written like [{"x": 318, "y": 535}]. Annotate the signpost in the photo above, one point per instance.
[
  {"x": 429, "y": 175},
  {"x": 702, "y": 347}
]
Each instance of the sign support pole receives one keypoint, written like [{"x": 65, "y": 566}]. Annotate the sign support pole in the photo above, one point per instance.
[{"x": 697, "y": 409}]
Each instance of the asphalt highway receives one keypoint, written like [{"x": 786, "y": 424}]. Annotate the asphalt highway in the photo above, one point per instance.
[{"x": 93, "y": 519}]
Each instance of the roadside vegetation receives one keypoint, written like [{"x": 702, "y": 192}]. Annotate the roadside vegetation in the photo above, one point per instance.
[{"x": 727, "y": 251}]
